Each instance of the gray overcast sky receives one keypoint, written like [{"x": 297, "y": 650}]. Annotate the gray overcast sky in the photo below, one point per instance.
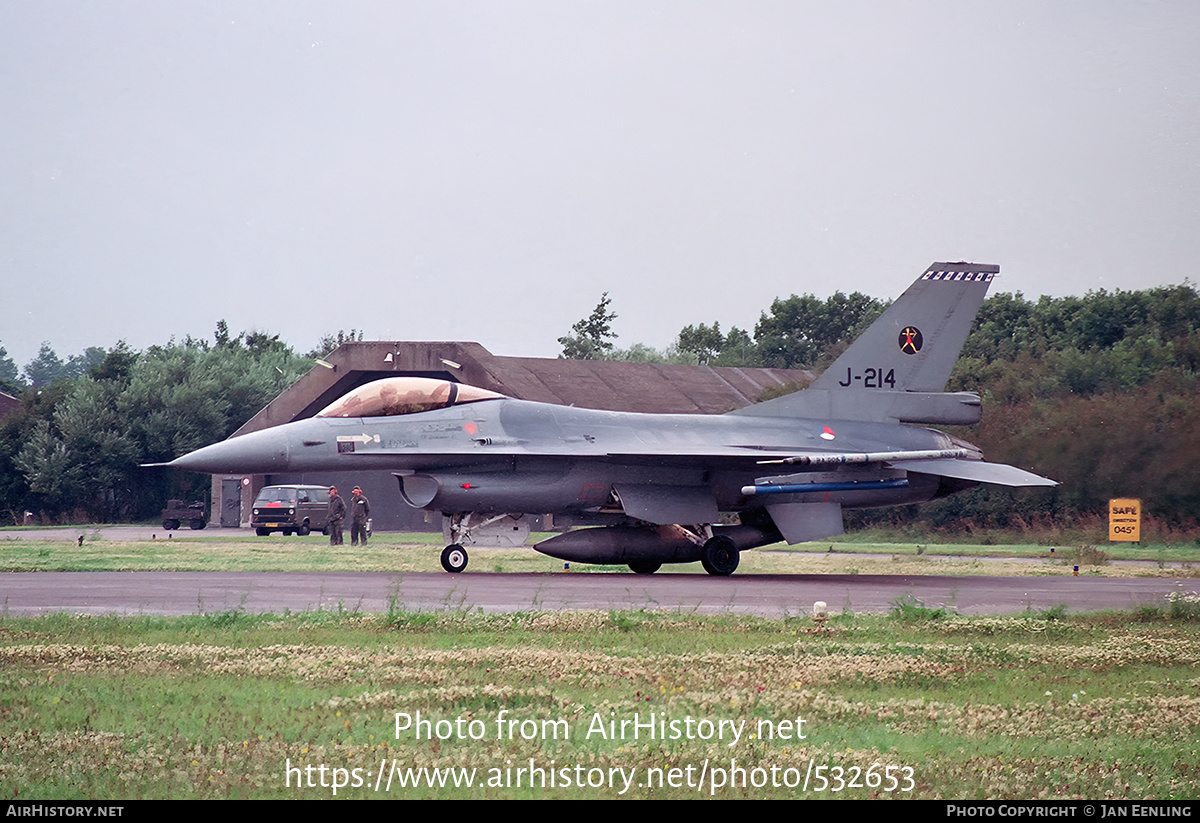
[{"x": 484, "y": 170}]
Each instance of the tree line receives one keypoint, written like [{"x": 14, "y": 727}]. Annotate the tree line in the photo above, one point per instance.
[
  {"x": 73, "y": 447},
  {"x": 1097, "y": 392},
  {"x": 1018, "y": 348}
]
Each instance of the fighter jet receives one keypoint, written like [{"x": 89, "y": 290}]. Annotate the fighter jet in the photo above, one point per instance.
[{"x": 667, "y": 488}]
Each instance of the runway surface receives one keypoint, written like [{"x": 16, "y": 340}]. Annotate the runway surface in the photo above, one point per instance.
[{"x": 180, "y": 593}]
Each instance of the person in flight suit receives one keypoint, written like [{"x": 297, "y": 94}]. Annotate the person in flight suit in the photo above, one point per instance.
[
  {"x": 360, "y": 510},
  {"x": 337, "y": 513}
]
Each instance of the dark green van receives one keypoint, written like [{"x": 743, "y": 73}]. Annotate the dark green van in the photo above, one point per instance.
[{"x": 290, "y": 509}]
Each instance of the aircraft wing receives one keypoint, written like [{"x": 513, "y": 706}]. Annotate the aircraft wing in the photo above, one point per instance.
[
  {"x": 577, "y": 448},
  {"x": 956, "y": 463}
]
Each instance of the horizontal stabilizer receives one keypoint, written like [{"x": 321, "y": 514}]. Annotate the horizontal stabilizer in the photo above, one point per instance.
[
  {"x": 976, "y": 470},
  {"x": 925, "y": 408}
]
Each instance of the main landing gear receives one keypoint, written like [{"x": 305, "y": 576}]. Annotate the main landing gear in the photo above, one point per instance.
[
  {"x": 719, "y": 556},
  {"x": 645, "y": 548}
]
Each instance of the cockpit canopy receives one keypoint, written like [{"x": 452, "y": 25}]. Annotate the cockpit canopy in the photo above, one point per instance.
[{"x": 404, "y": 395}]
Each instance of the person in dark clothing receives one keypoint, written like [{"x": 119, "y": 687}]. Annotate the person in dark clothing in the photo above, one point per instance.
[
  {"x": 360, "y": 510},
  {"x": 337, "y": 513}
]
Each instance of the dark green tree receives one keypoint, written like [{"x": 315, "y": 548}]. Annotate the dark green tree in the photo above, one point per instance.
[
  {"x": 10, "y": 381},
  {"x": 592, "y": 336},
  {"x": 701, "y": 341},
  {"x": 737, "y": 349},
  {"x": 74, "y": 447},
  {"x": 800, "y": 329},
  {"x": 45, "y": 368},
  {"x": 117, "y": 364},
  {"x": 84, "y": 457},
  {"x": 222, "y": 338},
  {"x": 16, "y": 430},
  {"x": 48, "y": 366},
  {"x": 329, "y": 342}
]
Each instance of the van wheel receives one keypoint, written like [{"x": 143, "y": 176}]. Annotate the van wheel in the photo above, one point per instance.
[
  {"x": 263, "y": 532},
  {"x": 303, "y": 530}
]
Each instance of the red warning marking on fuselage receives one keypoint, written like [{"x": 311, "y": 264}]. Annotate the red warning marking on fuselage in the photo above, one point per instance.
[{"x": 593, "y": 491}]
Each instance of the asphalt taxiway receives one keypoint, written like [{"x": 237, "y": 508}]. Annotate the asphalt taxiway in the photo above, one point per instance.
[
  {"x": 775, "y": 595},
  {"x": 179, "y": 593}
]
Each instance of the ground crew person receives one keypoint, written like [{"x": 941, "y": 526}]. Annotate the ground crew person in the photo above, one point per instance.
[
  {"x": 337, "y": 513},
  {"x": 360, "y": 510}
]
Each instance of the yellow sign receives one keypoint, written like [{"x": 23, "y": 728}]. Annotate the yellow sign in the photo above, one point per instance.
[{"x": 1125, "y": 520}]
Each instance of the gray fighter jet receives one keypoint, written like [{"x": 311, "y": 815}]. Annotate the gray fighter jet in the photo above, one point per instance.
[{"x": 655, "y": 487}]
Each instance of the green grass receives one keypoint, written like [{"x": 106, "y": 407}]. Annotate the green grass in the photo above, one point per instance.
[
  {"x": 229, "y": 550},
  {"x": 216, "y": 706}
]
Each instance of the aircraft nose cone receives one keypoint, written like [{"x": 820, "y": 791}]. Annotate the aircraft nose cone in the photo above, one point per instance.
[{"x": 254, "y": 453}]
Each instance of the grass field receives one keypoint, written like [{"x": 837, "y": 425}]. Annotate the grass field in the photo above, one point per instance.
[
  {"x": 911, "y": 705},
  {"x": 221, "y": 550},
  {"x": 919, "y": 703}
]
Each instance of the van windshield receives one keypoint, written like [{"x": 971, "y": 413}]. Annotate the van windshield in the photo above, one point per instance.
[
  {"x": 404, "y": 395},
  {"x": 275, "y": 495}
]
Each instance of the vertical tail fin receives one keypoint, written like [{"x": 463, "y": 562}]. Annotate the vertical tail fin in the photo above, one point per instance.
[
  {"x": 914, "y": 345},
  {"x": 898, "y": 368}
]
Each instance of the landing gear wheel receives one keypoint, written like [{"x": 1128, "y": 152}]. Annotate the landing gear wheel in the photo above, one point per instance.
[
  {"x": 645, "y": 566},
  {"x": 454, "y": 558},
  {"x": 720, "y": 556}
]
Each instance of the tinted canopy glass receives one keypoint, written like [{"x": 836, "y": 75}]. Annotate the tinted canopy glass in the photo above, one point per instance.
[{"x": 404, "y": 395}]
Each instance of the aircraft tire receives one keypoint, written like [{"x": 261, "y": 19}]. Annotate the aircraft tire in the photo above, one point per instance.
[
  {"x": 454, "y": 558},
  {"x": 645, "y": 566},
  {"x": 720, "y": 556}
]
